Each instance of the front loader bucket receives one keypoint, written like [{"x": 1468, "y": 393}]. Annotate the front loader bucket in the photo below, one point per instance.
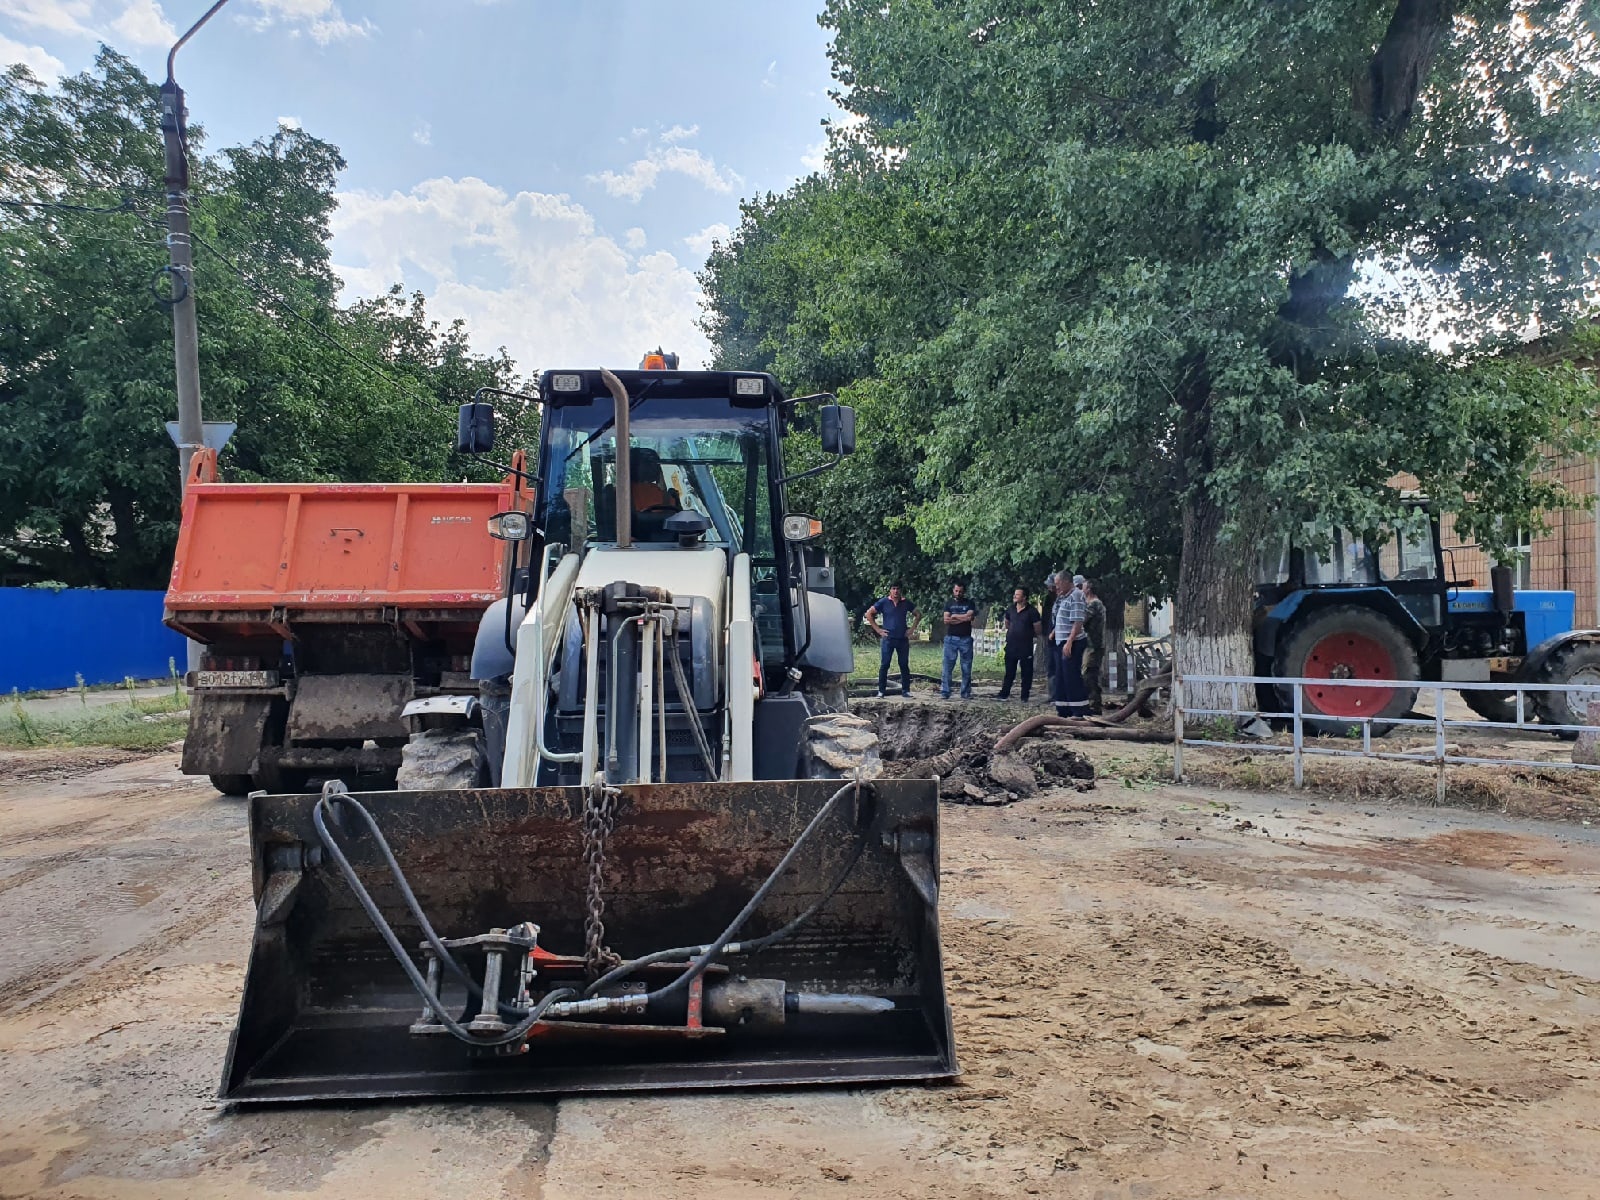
[{"x": 327, "y": 1010}]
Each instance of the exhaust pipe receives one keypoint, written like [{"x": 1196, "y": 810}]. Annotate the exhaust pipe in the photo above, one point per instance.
[{"x": 624, "y": 488}]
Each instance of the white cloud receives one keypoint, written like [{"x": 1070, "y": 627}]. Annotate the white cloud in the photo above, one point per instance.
[
  {"x": 529, "y": 271},
  {"x": 815, "y": 159},
  {"x": 289, "y": 123},
  {"x": 322, "y": 20},
  {"x": 680, "y": 133},
  {"x": 634, "y": 238},
  {"x": 36, "y": 58},
  {"x": 422, "y": 135},
  {"x": 769, "y": 81},
  {"x": 142, "y": 23},
  {"x": 700, "y": 243},
  {"x": 58, "y": 16},
  {"x": 640, "y": 176}
]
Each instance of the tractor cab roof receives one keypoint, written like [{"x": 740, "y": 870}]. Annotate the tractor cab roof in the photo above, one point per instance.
[{"x": 746, "y": 389}]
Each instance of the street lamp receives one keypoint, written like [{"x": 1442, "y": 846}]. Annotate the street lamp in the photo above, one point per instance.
[{"x": 180, "y": 251}]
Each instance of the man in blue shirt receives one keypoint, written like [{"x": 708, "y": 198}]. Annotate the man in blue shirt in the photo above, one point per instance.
[
  {"x": 958, "y": 615},
  {"x": 899, "y": 617}
]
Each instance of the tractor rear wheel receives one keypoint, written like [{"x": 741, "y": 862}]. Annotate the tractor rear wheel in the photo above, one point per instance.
[
  {"x": 1576, "y": 663},
  {"x": 1347, "y": 642}
]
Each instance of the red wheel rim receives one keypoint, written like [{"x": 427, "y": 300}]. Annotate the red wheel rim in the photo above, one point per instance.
[{"x": 1349, "y": 655}]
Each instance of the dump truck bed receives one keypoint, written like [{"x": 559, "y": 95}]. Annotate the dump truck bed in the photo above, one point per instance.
[{"x": 255, "y": 558}]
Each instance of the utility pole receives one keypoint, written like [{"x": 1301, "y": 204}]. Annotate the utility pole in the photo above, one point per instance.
[{"x": 180, "y": 251}]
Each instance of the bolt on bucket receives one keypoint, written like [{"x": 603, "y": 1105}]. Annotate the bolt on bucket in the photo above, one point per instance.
[{"x": 833, "y": 977}]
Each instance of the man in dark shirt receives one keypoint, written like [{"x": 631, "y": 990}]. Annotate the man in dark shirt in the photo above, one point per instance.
[
  {"x": 1094, "y": 632},
  {"x": 958, "y": 615},
  {"x": 899, "y": 623},
  {"x": 1022, "y": 627},
  {"x": 1047, "y": 617}
]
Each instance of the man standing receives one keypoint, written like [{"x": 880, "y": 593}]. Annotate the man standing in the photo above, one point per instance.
[
  {"x": 1052, "y": 597},
  {"x": 1071, "y": 699},
  {"x": 899, "y": 623},
  {"x": 1022, "y": 626},
  {"x": 1094, "y": 636},
  {"x": 958, "y": 614}
]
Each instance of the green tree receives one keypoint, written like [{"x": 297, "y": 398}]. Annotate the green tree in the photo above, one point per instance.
[
  {"x": 88, "y": 479},
  {"x": 1149, "y": 282}
]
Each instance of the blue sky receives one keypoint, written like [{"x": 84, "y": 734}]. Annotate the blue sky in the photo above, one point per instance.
[{"x": 553, "y": 172}]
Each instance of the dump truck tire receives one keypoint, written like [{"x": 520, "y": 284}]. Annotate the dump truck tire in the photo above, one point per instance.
[
  {"x": 1578, "y": 662},
  {"x": 233, "y": 785},
  {"x": 841, "y": 746},
  {"x": 1346, "y": 642},
  {"x": 440, "y": 760}
]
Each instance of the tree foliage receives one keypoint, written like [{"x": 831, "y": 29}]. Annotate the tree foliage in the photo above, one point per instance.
[
  {"x": 1137, "y": 285},
  {"x": 88, "y": 477}
]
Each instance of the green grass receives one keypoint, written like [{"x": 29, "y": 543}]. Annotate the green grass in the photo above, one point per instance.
[
  {"x": 122, "y": 726},
  {"x": 927, "y": 658}
]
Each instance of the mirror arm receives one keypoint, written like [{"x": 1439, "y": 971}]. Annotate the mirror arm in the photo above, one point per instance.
[
  {"x": 494, "y": 391},
  {"x": 817, "y": 470}
]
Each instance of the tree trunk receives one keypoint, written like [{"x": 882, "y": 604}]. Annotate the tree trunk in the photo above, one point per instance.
[
  {"x": 1211, "y": 612},
  {"x": 92, "y": 570}
]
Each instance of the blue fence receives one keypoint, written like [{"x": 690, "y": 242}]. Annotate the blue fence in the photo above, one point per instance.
[{"x": 50, "y": 638}]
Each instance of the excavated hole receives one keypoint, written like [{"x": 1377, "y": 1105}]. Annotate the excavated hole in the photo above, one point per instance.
[{"x": 957, "y": 745}]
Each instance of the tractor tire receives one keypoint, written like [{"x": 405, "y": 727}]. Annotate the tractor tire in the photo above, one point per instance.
[
  {"x": 842, "y": 746},
  {"x": 443, "y": 760},
  {"x": 1576, "y": 663},
  {"x": 233, "y": 785},
  {"x": 1347, "y": 642},
  {"x": 1494, "y": 706}
]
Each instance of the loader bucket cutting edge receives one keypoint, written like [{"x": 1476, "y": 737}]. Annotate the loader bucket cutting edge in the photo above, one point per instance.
[{"x": 327, "y": 1010}]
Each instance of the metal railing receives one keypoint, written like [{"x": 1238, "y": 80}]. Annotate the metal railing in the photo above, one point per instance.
[{"x": 1298, "y": 718}]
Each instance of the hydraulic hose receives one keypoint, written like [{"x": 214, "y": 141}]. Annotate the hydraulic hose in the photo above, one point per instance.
[
  {"x": 697, "y": 968},
  {"x": 318, "y": 818},
  {"x": 530, "y": 1017},
  {"x": 752, "y": 946},
  {"x": 527, "y": 1018}
]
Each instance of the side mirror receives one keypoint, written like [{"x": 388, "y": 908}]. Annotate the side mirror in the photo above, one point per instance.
[
  {"x": 513, "y": 526},
  {"x": 475, "y": 428},
  {"x": 838, "y": 429}
]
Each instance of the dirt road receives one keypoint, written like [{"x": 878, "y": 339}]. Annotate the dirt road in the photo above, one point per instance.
[{"x": 1158, "y": 993}]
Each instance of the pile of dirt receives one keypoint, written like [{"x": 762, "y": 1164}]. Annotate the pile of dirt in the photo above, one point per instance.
[{"x": 956, "y": 744}]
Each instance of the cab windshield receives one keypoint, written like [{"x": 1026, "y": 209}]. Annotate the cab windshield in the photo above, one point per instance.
[{"x": 687, "y": 454}]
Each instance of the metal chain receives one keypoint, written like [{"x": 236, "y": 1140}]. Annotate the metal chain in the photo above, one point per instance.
[{"x": 599, "y": 816}]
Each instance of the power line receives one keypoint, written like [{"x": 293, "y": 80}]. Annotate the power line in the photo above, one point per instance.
[
  {"x": 354, "y": 356},
  {"x": 127, "y": 206}
]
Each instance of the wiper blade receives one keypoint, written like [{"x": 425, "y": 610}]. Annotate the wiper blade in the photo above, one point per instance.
[{"x": 610, "y": 421}]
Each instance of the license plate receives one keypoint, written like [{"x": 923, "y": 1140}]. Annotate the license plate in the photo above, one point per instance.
[{"x": 236, "y": 679}]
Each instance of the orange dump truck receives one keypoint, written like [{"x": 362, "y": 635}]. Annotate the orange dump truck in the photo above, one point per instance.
[{"x": 324, "y": 610}]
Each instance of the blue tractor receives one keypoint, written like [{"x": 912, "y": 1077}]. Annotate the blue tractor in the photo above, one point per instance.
[{"x": 1389, "y": 607}]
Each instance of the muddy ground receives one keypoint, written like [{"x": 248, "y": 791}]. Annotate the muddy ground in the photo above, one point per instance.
[{"x": 1158, "y": 992}]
